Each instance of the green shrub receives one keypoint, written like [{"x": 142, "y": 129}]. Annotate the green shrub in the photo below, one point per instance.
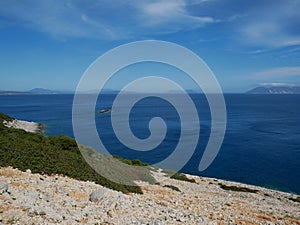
[
  {"x": 183, "y": 177},
  {"x": 236, "y": 188},
  {"x": 134, "y": 162},
  {"x": 5, "y": 117},
  {"x": 172, "y": 187},
  {"x": 295, "y": 199}
]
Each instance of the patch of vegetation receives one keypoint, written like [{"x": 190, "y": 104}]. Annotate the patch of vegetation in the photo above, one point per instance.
[
  {"x": 236, "y": 188},
  {"x": 5, "y": 117},
  {"x": 292, "y": 217},
  {"x": 134, "y": 162},
  {"x": 168, "y": 173},
  {"x": 172, "y": 187},
  {"x": 183, "y": 177},
  {"x": 295, "y": 199},
  {"x": 12, "y": 220},
  {"x": 120, "y": 172},
  {"x": 49, "y": 155}
]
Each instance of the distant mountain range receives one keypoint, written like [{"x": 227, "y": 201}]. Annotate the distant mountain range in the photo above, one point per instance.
[
  {"x": 275, "y": 90},
  {"x": 37, "y": 91},
  {"x": 258, "y": 90},
  {"x": 33, "y": 91},
  {"x": 43, "y": 91}
]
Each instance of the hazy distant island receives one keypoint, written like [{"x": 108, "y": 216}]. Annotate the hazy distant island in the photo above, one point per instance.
[
  {"x": 44, "y": 91},
  {"x": 271, "y": 89},
  {"x": 34, "y": 91},
  {"x": 262, "y": 89}
]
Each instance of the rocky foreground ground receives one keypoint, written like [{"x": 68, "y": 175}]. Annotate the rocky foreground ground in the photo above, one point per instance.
[{"x": 27, "y": 198}]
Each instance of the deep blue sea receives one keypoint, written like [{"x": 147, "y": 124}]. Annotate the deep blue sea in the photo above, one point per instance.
[{"x": 261, "y": 145}]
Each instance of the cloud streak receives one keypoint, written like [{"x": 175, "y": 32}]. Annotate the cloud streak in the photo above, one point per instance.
[
  {"x": 170, "y": 13},
  {"x": 262, "y": 26},
  {"x": 281, "y": 72},
  {"x": 103, "y": 19},
  {"x": 272, "y": 25},
  {"x": 276, "y": 84},
  {"x": 58, "y": 18}
]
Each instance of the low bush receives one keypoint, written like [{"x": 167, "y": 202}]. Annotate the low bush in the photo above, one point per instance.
[
  {"x": 172, "y": 187},
  {"x": 183, "y": 177},
  {"x": 236, "y": 188},
  {"x": 295, "y": 199},
  {"x": 134, "y": 162}
]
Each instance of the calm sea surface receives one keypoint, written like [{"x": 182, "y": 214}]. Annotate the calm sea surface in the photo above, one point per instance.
[{"x": 261, "y": 145}]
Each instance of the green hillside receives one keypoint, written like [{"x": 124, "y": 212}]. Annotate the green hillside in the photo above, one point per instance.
[{"x": 49, "y": 155}]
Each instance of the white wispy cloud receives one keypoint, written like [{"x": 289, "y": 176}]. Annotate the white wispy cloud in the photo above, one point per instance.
[
  {"x": 269, "y": 34},
  {"x": 236, "y": 17},
  {"x": 170, "y": 16},
  {"x": 103, "y": 19},
  {"x": 277, "y": 84},
  {"x": 163, "y": 8},
  {"x": 272, "y": 25},
  {"x": 196, "y": 2},
  {"x": 58, "y": 18},
  {"x": 281, "y": 72}
]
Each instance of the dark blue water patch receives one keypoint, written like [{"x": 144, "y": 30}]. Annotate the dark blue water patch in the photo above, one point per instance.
[
  {"x": 55, "y": 111},
  {"x": 140, "y": 116},
  {"x": 261, "y": 145}
]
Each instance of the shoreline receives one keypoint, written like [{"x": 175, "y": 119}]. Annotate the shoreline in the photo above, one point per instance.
[
  {"x": 38, "y": 198},
  {"x": 31, "y": 127},
  {"x": 240, "y": 184},
  {"x": 272, "y": 188},
  {"x": 38, "y": 128}
]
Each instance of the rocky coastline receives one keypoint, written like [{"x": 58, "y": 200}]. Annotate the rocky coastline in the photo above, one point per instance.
[
  {"x": 33, "y": 198},
  {"x": 31, "y": 127}
]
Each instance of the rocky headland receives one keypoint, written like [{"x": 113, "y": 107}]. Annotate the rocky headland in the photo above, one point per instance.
[{"x": 31, "y": 127}]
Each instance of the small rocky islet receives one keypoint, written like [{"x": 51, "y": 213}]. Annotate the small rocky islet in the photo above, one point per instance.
[{"x": 103, "y": 111}]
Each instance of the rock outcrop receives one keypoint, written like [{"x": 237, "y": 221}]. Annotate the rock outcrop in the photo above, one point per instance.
[
  {"x": 31, "y": 127},
  {"x": 3, "y": 187}
]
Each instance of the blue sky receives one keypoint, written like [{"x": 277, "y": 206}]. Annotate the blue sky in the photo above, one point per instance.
[{"x": 50, "y": 43}]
